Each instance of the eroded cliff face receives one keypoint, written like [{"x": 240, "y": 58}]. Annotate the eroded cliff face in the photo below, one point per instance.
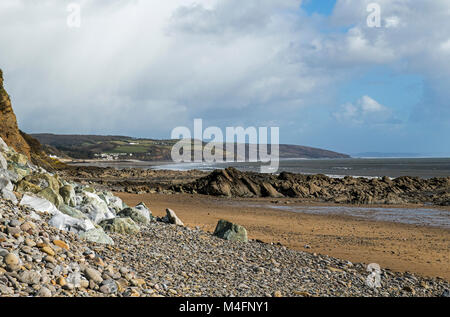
[{"x": 9, "y": 130}]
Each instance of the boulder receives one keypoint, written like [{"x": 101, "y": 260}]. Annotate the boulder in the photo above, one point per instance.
[
  {"x": 72, "y": 212},
  {"x": 51, "y": 196},
  {"x": 171, "y": 217},
  {"x": 67, "y": 193},
  {"x": 230, "y": 231},
  {"x": 8, "y": 195},
  {"x": 134, "y": 214},
  {"x": 96, "y": 208},
  {"x": 39, "y": 204},
  {"x": 115, "y": 204},
  {"x": 6, "y": 183},
  {"x": 120, "y": 225},
  {"x": 44, "y": 181},
  {"x": 97, "y": 235},
  {"x": 67, "y": 223},
  {"x": 26, "y": 187}
]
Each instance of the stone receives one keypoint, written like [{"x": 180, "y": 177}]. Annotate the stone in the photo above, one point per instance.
[
  {"x": 52, "y": 196},
  {"x": 96, "y": 209},
  {"x": 47, "y": 249},
  {"x": 67, "y": 193},
  {"x": 93, "y": 275},
  {"x": 61, "y": 244},
  {"x": 67, "y": 223},
  {"x": 12, "y": 261},
  {"x": 97, "y": 235},
  {"x": 277, "y": 294},
  {"x": 8, "y": 195},
  {"x": 120, "y": 225},
  {"x": 231, "y": 232},
  {"x": 171, "y": 217},
  {"x": 30, "y": 277},
  {"x": 5, "y": 290},
  {"x": 3, "y": 162},
  {"x": 44, "y": 292},
  {"x": 137, "y": 215},
  {"x": 44, "y": 181},
  {"x": 72, "y": 212},
  {"x": 39, "y": 204},
  {"x": 109, "y": 287},
  {"x": 26, "y": 187}
]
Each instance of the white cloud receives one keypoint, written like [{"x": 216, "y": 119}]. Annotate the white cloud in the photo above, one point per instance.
[{"x": 366, "y": 111}]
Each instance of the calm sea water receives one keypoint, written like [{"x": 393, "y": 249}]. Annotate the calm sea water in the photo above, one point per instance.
[
  {"x": 373, "y": 167},
  {"x": 395, "y": 167}
]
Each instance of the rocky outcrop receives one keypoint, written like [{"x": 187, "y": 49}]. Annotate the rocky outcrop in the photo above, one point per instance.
[{"x": 233, "y": 183}]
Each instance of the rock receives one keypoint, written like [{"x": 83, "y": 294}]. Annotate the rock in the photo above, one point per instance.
[
  {"x": 12, "y": 261},
  {"x": 6, "y": 183},
  {"x": 3, "y": 162},
  {"x": 26, "y": 187},
  {"x": 120, "y": 225},
  {"x": 109, "y": 287},
  {"x": 446, "y": 293},
  {"x": 72, "y": 212},
  {"x": 39, "y": 204},
  {"x": 171, "y": 217},
  {"x": 137, "y": 215},
  {"x": 47, "y": 249},
  {"x": 231, "y": 232},
  {"x": 61, "y": 244},
  {"x": 277, "y": 294},
  {"x": 96, "y": 209},
  {"x": 44, "y": 181},
  {"x": 52, "y": 196},
  {"x": 97, "y": 235},
  {"x": 8, "y": 195},
  {"x": 67, "y": 223},
  {"x": 3, "y": 146},
  {"x": 93, "y": 275},
  {"x": 44, "y": 292},
  {"x": 5, "y": 290},
  {"x": 67, "y": 193},
  {"x": 30, "y": 277},
  {"x": 114, "y": 203}
]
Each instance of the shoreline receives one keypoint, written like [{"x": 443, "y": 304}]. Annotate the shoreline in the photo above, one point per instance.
[{"x": 399, "y": 247}]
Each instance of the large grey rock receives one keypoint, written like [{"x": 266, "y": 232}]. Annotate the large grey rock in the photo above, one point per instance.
[
  {"x": 51, "y": 196},
  {"x": 67, "y": 193},
  {"x": 120, "y": 225},
  {"x": 230, "y": 231},
  {"x": 8, "y": 195},
  {"x": 72, "y": 212},
  {"x": 114, "y": 203},
  {"x": 39, "y": 204},
  {"x": 67, "y": 223},
  {"x": 6, "y": 183},
  {"x": 140, "y": 215},
  {"x": 97, "y": 235},
  {"x": 96, "y": 208}
]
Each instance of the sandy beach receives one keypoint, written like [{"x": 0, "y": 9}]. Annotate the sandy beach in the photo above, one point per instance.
[{"x": 399, "y": 247}]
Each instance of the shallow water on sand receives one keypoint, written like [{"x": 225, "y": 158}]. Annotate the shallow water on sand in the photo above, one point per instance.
[{"x": 412, "y": 216}]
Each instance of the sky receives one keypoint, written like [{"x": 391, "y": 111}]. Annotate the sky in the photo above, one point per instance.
[{"x": 313, "y": 68}]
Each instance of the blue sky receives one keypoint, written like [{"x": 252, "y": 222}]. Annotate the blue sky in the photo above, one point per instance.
[{"x": 313, "y": 68}]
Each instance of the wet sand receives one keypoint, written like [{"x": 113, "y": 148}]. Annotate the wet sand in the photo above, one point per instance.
[{"x": 399, "y": 247}]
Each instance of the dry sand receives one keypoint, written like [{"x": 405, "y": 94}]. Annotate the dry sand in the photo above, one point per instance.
[{"x": 399, "y": 247}]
